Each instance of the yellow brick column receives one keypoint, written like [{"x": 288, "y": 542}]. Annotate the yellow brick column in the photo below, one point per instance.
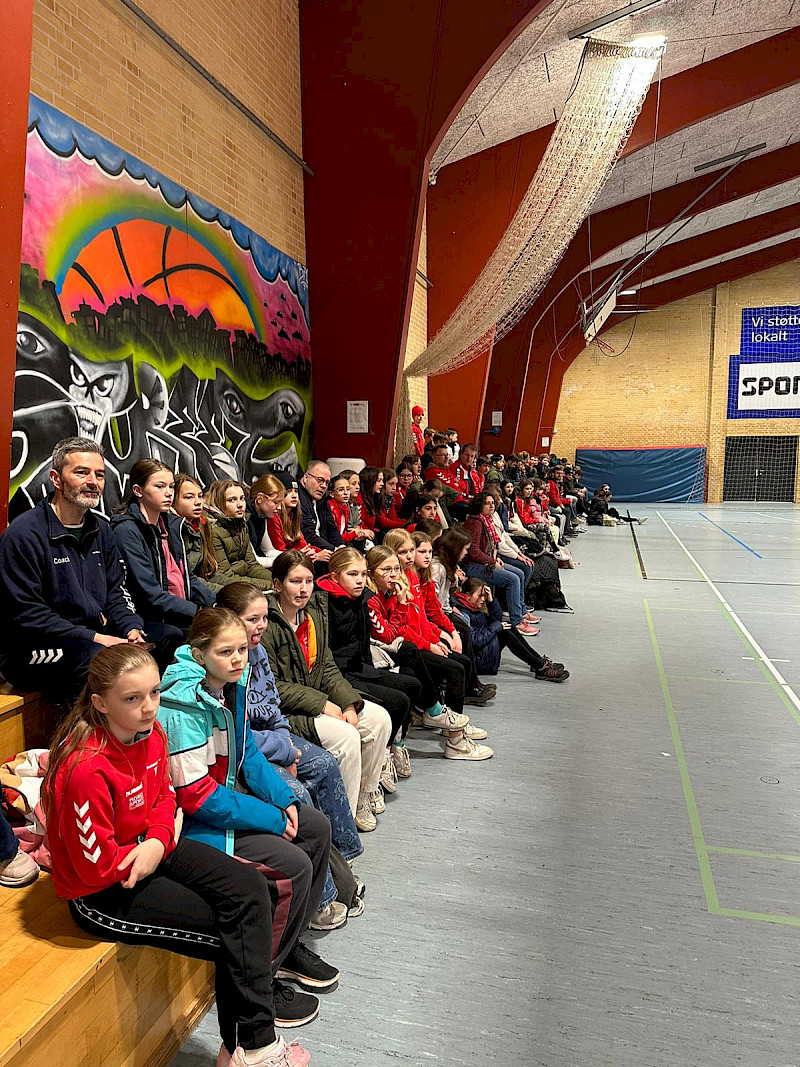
[{"x": 721, "y": 331}]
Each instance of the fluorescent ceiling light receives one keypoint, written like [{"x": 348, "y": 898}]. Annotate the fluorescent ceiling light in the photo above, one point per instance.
[
  {"x": 613, "y": 16},
  {"x": 628, "y": 292},
  {"x": 651, "y": 40},
  {"x": 732, "y": 155}
]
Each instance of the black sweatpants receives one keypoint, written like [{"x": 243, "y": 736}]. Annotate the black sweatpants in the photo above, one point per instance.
[
  {"x": 295, "y": 873},
  {"x": 202, "y": 903},
  {"x": 58, "y": 668},
  {"x": 397, "y": 692},
  {"x": 464, "y": 632}
]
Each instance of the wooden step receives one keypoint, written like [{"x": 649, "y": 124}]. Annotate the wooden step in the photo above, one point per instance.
[{"x": 71, "y": 1000}]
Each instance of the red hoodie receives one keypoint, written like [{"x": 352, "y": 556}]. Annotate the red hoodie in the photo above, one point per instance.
[
  {"x": 433, "y": 607},
  {"x": 389, "y": 619},
  {"x": 109, "y": 797},
  {"x": 341, "y": 516},
  {"x": 388, "y": 518},
  {"x": 278, "y": 537}
]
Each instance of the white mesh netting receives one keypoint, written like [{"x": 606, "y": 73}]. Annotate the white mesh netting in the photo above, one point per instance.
[{"x": 597, "y": 119}]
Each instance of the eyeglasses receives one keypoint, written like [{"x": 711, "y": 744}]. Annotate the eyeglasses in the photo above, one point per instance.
[
  {"x": 320, "y": 481},
  {"x": 386, "y": 571}
]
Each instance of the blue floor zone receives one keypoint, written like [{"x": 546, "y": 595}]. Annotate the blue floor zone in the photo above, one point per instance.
[{"x": 620, "y": 885}]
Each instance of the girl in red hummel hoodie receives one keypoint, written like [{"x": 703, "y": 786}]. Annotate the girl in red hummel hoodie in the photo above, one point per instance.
[{"x": 128, "y": 876}]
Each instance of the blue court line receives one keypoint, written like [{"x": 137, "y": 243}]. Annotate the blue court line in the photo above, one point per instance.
[{"x": 736, "y": 539}]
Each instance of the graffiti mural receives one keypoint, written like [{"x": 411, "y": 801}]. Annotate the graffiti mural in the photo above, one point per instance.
[{"x": 149, "y": 321}]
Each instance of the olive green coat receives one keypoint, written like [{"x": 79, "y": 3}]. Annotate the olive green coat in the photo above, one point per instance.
[
  {"x": 192, "y": 542},
  {"x": 304, "y": 692},
  {"x": 235, "y": 557}
]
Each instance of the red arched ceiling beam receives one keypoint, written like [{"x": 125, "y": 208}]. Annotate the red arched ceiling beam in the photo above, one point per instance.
[
  {"x": 473, "y": 200},
  {"x": 610, "y": 229},
  {"x": 381, "y": 84},
  {"x": 676, "y": 256}
]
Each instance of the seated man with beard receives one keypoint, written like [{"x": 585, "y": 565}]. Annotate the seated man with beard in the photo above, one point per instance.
[{"x": 62, "y": 591}]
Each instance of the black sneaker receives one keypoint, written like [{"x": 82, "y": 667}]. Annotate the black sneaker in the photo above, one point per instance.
[
  {"x": 308, "y": 969},
  {"x": 548, "y": 672},
  {"x": 489, "y": 688},
  {"x": 477, "y": 700},
  {"x": 293, "y": 1008},
  {"x": 552, "y": 663}
]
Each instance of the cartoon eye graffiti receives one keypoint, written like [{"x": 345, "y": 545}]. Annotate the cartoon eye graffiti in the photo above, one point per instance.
[
  {"x": 103, "y": 386},
  {"x": 287, "y": 410},
  {"x": 233, "y": 404},
  {"x": 29, "y": 343},
  {"x": 77, "y": 375}
]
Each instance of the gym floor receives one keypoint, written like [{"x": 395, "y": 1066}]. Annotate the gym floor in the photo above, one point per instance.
[{"x": 620, "y": 885}]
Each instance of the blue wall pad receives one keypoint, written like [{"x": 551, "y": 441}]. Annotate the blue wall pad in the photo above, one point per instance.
[{"x": 660, "y": 475}]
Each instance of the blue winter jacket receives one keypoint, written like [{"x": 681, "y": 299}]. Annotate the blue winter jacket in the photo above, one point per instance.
[
  {"x": 211, "y": 746},
  {"x": 55, "y": 588},
  {"x": 269, "y": 725},
  {"x": 140, "y": 545},
  {"x": 484, "y": 629}
]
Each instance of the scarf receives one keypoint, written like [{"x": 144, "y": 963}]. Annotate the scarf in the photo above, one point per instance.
[{"x": 494, "y": 536}]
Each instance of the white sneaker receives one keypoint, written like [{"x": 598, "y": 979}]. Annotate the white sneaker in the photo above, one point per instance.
[
  {"x": 447, "y": 719},
  {"x": 365, "y": 818},
  {"x": 19, "y": 871},
  {"x": 376, "y": 802},
  {"x": 388, "y": 774},
  {"x": 474, "y": 733},
  {"x": 464, "y": 749},
  {"x": 402, "y": 762}
]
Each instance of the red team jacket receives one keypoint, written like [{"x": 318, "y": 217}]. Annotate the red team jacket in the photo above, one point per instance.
[{"x": 110, "y": 798}]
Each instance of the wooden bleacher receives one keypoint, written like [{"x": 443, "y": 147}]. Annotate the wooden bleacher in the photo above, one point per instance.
[{"x": 67, "y": 999}]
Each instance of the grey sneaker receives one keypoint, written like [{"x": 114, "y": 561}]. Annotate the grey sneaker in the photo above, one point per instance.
[
  {"x": 402, "y": 762},
  {"x": 388, "y": 774},
  {"x": 330, "y": 918},
  {"x": 19, "y": 871},
  {"x": 365, "y": 818}
]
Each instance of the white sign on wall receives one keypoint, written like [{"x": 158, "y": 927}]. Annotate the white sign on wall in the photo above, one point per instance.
[
  {"x": 765, "y": 386},
  {"x": 358, "y": 416}
]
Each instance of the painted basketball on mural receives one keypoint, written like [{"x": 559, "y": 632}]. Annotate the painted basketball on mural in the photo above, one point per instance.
[{"x": 145, "y": 258}]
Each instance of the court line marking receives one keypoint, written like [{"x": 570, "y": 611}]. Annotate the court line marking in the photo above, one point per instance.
[
  {"x": 789, "y": 857},
  {"x": 729, "y": 534},
  {"x": 696, "y": 826},
  {"x": 700, "y": 847},
  {"x": 761, "y": 656},
  {"x": 724, "y": 681}
]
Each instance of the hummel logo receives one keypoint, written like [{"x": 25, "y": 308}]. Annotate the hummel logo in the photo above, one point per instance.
[
  {"x": 92, "y": 856},
  {"x": 47, "y": 655}
]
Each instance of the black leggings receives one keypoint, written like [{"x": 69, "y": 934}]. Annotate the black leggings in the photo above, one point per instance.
[
  {"x": 201, "y": 903},
  {"x": 397, "y": 692},
  {"x": 515, "y": 643},
  {"x": 433, "y": 672}
]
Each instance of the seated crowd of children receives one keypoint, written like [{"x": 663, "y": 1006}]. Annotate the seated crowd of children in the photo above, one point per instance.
[{"x": 243, "y": 666}]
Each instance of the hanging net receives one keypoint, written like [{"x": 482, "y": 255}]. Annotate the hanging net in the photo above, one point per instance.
[{"x": 598, "y": 117}]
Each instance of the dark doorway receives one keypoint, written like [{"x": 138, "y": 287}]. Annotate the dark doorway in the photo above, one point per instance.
[{"x": 760, "y": 468}]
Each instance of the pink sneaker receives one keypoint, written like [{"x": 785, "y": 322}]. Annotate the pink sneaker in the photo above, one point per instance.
[
  {"x": 531, "y": 618},
  {"x": 526, "y": 629},
  {"x": 287, "y": 1054},
  {"x": 223, "y": 1057}
]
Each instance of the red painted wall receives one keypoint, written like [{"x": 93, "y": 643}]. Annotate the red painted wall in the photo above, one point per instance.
[
  {"x": 381, "y": 83},
  {"x": 15, "y": 64}
]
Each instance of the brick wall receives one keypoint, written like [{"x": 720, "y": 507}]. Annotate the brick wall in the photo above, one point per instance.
[
  {"x": 669, "y": 385},
  {"x": 96, "y": 61}
]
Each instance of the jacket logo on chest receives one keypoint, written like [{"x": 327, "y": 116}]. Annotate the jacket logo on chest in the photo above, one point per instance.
[{"x": 62, "y": 559}]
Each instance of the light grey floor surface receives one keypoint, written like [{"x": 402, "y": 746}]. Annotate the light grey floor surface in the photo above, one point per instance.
[{"x": 620, "y": 885}]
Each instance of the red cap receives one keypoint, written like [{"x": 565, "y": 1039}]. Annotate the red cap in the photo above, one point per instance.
[{"x": 417, "y": 410}]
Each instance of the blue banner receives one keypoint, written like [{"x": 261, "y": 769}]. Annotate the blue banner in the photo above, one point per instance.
[{"x": 771, "y": 331}]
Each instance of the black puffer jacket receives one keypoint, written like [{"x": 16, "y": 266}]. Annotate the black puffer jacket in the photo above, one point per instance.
[{"x": 348, "y": 631}]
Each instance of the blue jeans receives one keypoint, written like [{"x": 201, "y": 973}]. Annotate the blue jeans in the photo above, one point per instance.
[
  {"x": 525, "y": 570},
  {"x": 502, "y": 578},
  {"x": 320, "y": 784},
  {"x": 8, "y": 840}
]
